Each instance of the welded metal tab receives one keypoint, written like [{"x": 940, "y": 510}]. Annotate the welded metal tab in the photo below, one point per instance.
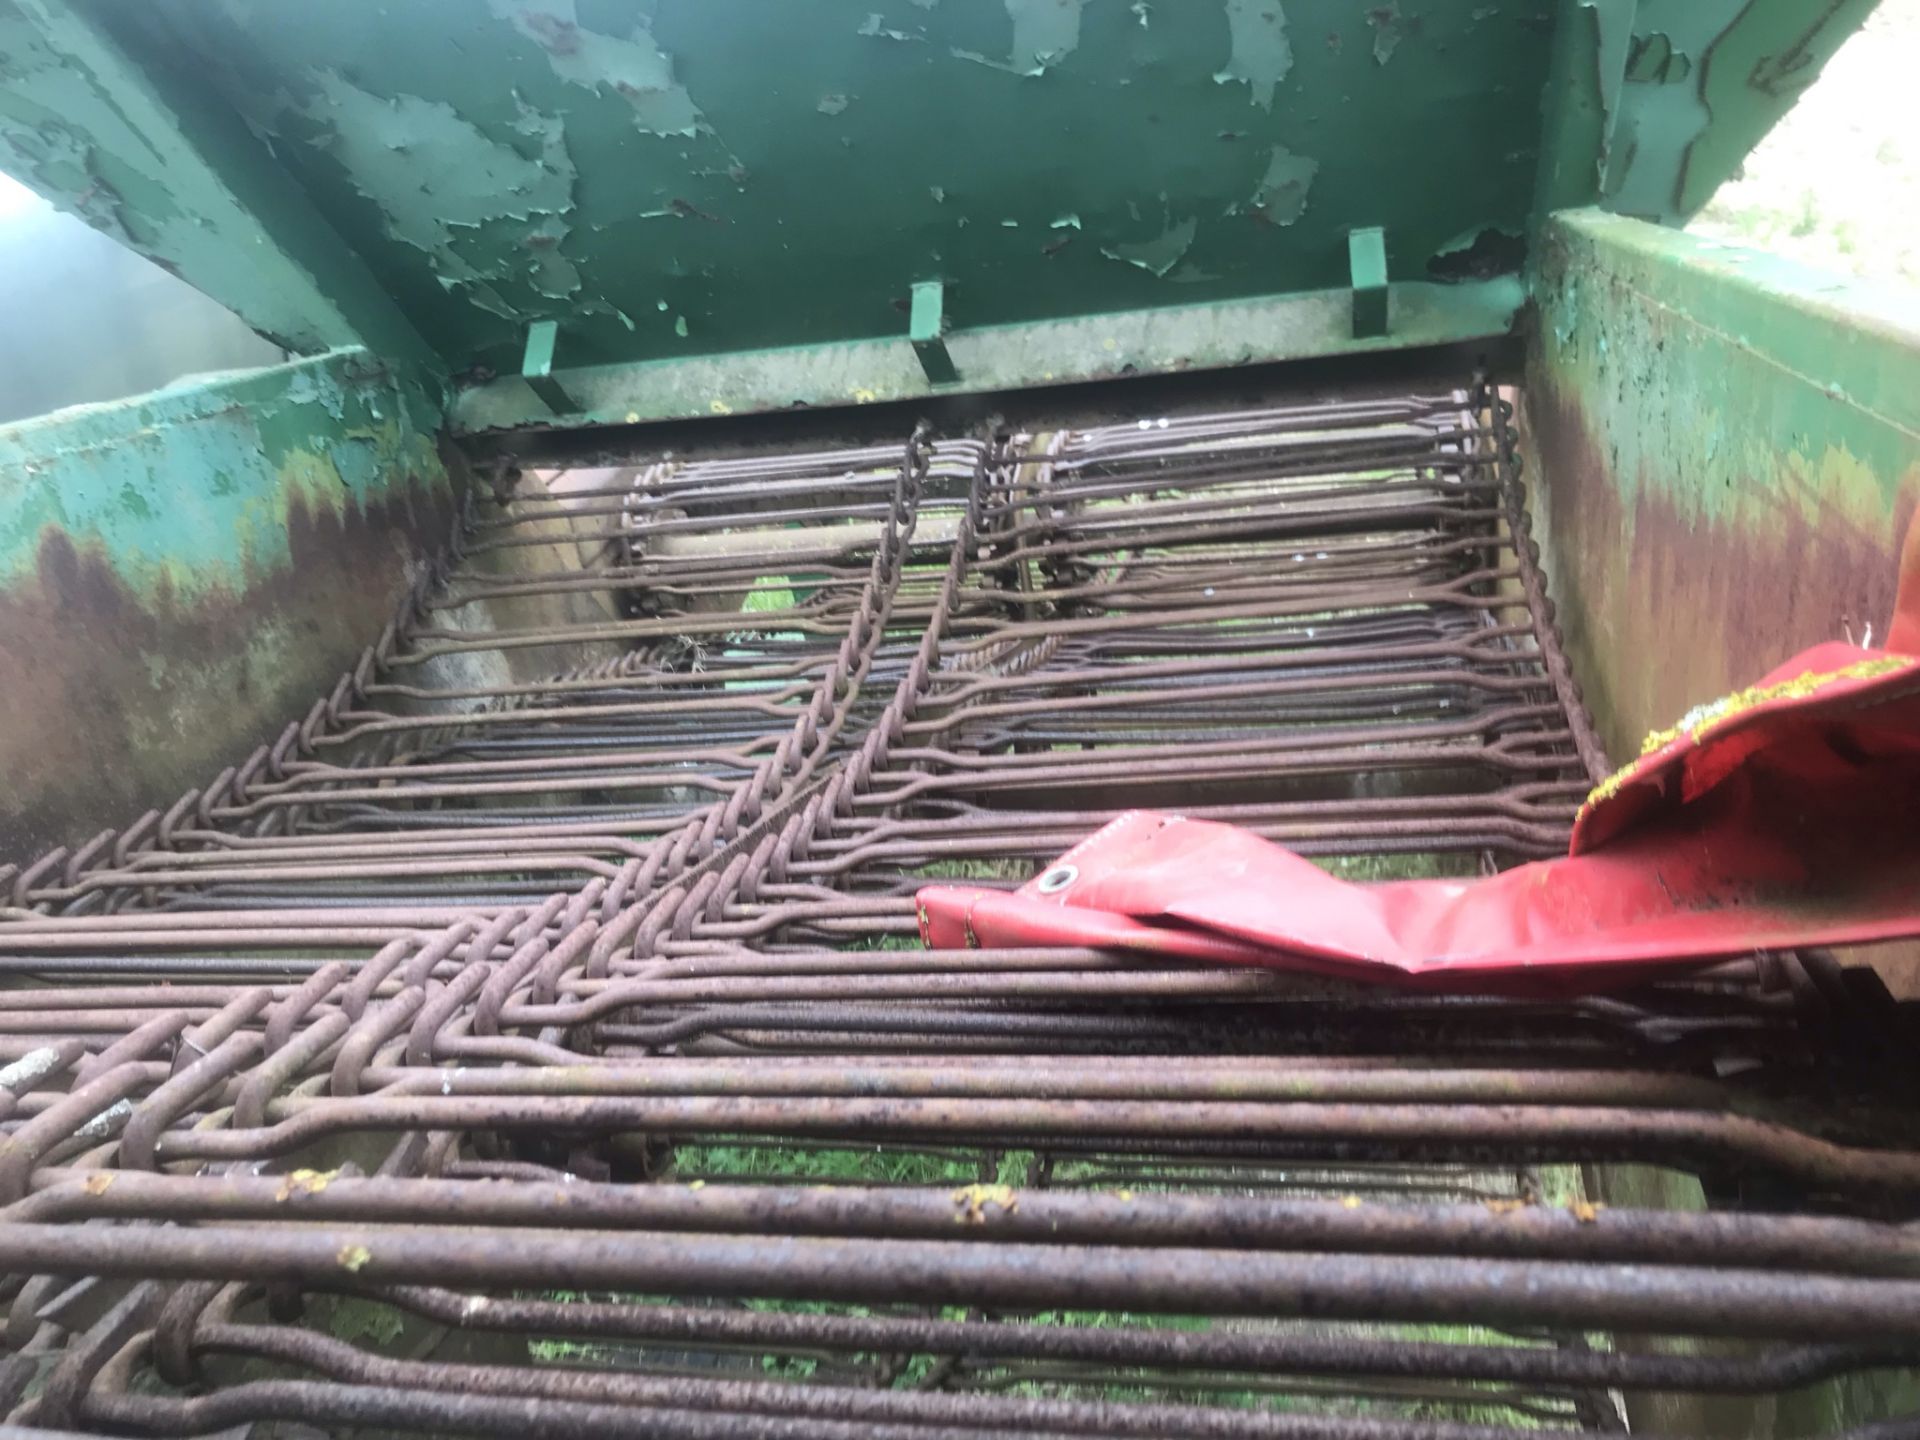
[
  {"x": 1367, "y": 264},
  {"x": 536, "y": 367},
  {"x": 927, "y": 328}
]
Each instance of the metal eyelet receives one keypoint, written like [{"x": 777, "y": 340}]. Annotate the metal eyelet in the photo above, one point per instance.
[{"x": 1057, "y": 879}]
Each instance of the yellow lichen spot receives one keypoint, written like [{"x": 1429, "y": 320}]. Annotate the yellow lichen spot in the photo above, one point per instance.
[
  {"x": 354, "y": 1258},
  {"x": 1506, "y": 1207},
  {"x": 1608, "y": 788},
  {"x": 633, "y": 417},
  {"x": 1126, "y": 1196},
  {"x": 1350, "y": 1202},
  {"x": 303, "y": 1182},
  {"x": 1110, "y": 343},
  {"x": 974, "y": 1199},
  {"x": 720, "y": 407},
  {"x": 696, "y": 1185},
  {"x": 97, "y": 1184},
  {"x": 864, "y": 396},
  {"x": 1585, "y": 1211},
  {"x": 1703, "y": 720}
]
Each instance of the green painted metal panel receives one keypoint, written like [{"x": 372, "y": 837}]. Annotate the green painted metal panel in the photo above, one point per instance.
[
  {"x": 1730, "y": 451},
  {"x": 1008, "y": 357},
  {"x": 701, "y": 177},
  {"x": 84, "y": 124},
  {"x": 667, "y": 179},
  {"x": 310, "y": 440},
  {"x": 182, "y": 573}
]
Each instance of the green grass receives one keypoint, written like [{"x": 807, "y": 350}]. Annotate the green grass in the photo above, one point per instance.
[
  {"x": 982, "y": 869},
  {"x": 770, "y": 592},
  {"x": 884, "y": 942},
  {"x": 847, "y": 1166},
  {"x": 1371, "y": 868}
]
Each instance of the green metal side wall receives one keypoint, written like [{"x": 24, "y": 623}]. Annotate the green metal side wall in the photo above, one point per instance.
[
  {"x": 1728, "y": 449},
  {"x": 182, "y": 573}
]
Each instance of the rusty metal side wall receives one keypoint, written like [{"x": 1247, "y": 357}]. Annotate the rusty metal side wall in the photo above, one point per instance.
[
  {"x": 1729, "y": 448},
  {"x": 180, "y": 573}
]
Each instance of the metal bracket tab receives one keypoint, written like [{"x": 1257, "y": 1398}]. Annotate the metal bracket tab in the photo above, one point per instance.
[
  {"x": 536, "y": 366},
  {"x": 928, "y": 329},
  {"x": 1367, "y": 262}
]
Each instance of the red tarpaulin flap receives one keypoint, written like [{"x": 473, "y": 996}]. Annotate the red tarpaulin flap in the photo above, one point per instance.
[{"x": 1785, "y": 815}]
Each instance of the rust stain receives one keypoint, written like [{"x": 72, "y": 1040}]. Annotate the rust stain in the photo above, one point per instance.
[
  {"x": 1717, "y": 603},
  {"x": 1663, "y": 609},
  {"x": 113, "y": 700}
]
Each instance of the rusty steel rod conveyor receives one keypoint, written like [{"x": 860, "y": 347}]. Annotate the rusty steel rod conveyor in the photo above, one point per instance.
[{"x": 513, "y": 1053}]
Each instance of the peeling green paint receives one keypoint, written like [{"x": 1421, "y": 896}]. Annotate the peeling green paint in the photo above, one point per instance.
[
  {"x": 97, "y": 137},
  {"x": 1750, "y": 75},
  {"x": 1160, "y": 254},
  {"x": 635, "y": 148},
  {"x": 452, "y": 193},
  {"x": 1044, "y": 32},
  {"x": 726, "y": 221},
  {"x": 875, "y": 25},
  {"x": 1614, "y": 22},
  {"x": 1661, "y": 112},
  {"x": 1261, "y": 54},
  {"x": 1387, "y": 25},
  {"x": 327, "y": 434},
  {"x": 1663, "y": 98},
  {"x": 1282, "y": 192},
  {"x": 631, "y": 66}
]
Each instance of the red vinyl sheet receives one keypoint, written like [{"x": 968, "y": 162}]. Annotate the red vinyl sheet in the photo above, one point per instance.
[{"x": 1786, "y": 815}]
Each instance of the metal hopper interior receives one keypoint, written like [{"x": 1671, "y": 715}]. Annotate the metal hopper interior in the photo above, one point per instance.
[{"x": 469, "y": 785}]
